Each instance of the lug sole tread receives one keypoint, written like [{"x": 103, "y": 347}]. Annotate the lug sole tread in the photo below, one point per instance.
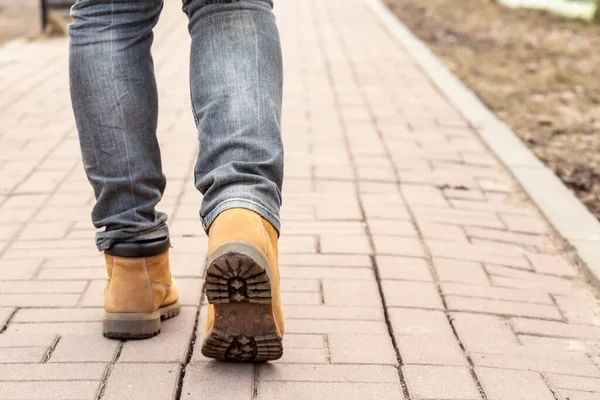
[{"x": 235, "y": 280}]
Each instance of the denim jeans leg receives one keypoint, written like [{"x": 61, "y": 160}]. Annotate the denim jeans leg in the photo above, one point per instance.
[
  {"x": 114, "y": 96},
  {"x": 236, "y": 79}
]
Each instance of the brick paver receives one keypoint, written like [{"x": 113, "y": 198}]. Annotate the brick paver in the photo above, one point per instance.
[{"x": 412, "y": 266}]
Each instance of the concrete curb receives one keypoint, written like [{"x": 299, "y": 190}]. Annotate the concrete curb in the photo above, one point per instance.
[{"x": 563, "y": 210}]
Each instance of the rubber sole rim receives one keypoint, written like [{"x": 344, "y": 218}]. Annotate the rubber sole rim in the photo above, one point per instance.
[{"x": 137, "y": 325}]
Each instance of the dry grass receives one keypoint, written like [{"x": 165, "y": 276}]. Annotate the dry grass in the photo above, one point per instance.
[{"x": 539, "y": 72}]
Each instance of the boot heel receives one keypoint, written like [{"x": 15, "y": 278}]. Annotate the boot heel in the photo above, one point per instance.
[{"x": 247, "y": 346}]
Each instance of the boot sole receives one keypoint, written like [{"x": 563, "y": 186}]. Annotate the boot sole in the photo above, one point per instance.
[
  {"x": 137, "y": 325},
  {"x": 238, "y": 284}
]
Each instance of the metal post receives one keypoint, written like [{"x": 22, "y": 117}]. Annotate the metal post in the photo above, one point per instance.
[{"x": 44, "y": 11}]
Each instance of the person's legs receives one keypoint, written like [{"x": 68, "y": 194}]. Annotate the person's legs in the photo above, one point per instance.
[
  {"x": 115, "y": 101},
  {"x": 236, "y": 86}
]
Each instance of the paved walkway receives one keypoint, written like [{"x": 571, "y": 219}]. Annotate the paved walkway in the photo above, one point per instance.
[{"x": 412, "y": 266}]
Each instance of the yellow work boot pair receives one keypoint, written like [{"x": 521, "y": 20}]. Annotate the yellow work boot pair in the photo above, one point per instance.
[{"x": 245, "y": 318}]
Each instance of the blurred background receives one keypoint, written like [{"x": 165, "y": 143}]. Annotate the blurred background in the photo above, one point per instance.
[
  {"x": 18, "y": 18},
  {"x": 31, "y": 18},
  {"x": 535, "y": 63}
]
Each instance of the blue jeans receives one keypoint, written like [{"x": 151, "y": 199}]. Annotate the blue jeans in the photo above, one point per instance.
[{"x": 236, "y": 89}]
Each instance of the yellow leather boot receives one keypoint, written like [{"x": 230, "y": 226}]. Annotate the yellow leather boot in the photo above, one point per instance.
[
  {"x": 245, "y": 319},
  {"x": 139, "y": 292}
]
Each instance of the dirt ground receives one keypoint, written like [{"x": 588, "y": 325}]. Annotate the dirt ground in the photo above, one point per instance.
[
  {"x": 539, "y": 72},
  {"x": 18, "y": 18}
]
